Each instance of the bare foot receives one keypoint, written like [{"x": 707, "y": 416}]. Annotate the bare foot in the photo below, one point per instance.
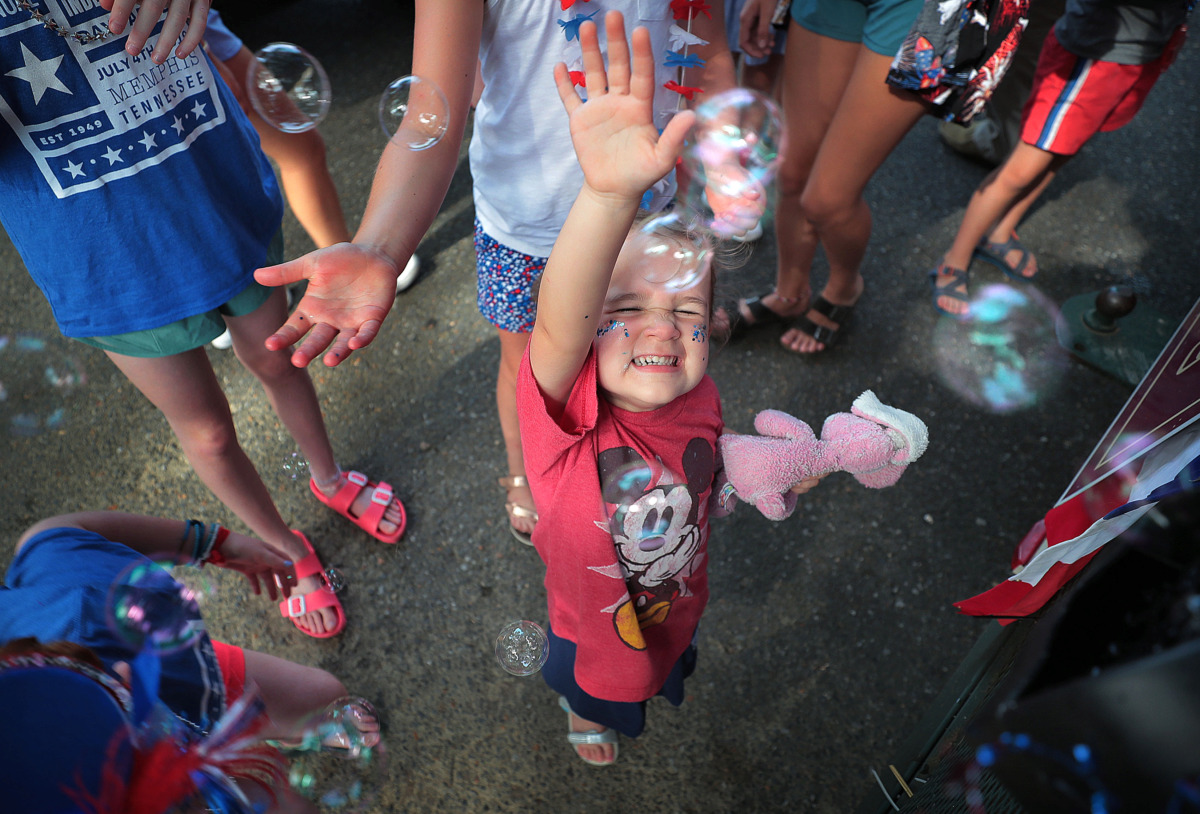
[
  {"x": 315, "y": 621},
  {"x": 594, "y": 752},
  {"x": 392, "y": 515},
  {"x": 798, "y": 341},
  {"x": 950, "y": 289}
]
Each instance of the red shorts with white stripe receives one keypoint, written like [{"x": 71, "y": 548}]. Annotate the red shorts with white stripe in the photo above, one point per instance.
[
  {"x": 1074, "y": 98},
  {"x": 232, "y": 660}
]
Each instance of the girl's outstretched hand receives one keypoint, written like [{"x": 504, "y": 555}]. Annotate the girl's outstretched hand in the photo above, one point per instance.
[
  {"x": 617, "y": 143},
  {"x": 351, "y": 288},
  {"x": 263, "y": 565}
]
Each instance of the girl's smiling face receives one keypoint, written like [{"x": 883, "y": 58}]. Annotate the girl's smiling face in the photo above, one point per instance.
[{"x": 652, "y": 342}]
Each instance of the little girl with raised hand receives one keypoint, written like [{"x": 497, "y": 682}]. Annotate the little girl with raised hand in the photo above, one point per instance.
[{"x": 619, "y": 419}]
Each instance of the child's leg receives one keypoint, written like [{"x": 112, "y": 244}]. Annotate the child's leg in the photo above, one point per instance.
[
  {"x": 185, "y": 389},
  {"x": 506, "y": 278},
  {"x": 291, "y": 692},
  {"x": 1034, "y": 188},
  {"x": 512, "y": 348},
  {"x": 998, "y": 205},
  {"x": 870, "y": 120},
  {"x": 291, "y": 393}
]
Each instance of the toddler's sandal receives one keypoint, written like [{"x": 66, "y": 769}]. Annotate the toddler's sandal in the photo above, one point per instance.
[{"x": 589, "y": 738}]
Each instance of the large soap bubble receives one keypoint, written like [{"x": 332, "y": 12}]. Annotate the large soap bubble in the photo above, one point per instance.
[
  {"x": 674, "y": 247},
  {"x": 738, "y": 127},
  {"x": 288, "y": 87},
  {"x": 149, "y": 609},
  {"x": 1003, "y": 354},
  {"x": 732, "y": 157},
  {"x": 340, "y": 761},
  {"x": 39, "y": 379},
  {"x": 414, "y": 113}
]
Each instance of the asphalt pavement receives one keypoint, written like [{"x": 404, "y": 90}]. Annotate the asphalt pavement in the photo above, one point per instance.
[{"x": 827, "y": 634}]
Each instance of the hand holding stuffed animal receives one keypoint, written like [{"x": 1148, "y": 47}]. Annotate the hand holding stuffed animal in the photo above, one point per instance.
[{"x": 874, "y": 442}]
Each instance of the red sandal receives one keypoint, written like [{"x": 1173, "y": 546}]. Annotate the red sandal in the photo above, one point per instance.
[
  {"x": 368, "y": 521},
  {"x": 324, "y": 597}
]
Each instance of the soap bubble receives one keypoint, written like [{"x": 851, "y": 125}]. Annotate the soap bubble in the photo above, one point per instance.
[
  {"x": 522, "y": 647},
  {"x": 295, "y": 465},
  {"x": 288, "y": 87},
  {"x": 38, "y": 378},
  {"x": 1003, "y": 354},
  {"x": 732, "y": 157},
  {"x": 148, "y": 608},
  {"x": 738, "y": 128},
  {"x": 414, "y": 113},
  {"x": 727, "y": 201},
  {"x": 674, "y": 247},
  {"x": 340, "y": 760}
]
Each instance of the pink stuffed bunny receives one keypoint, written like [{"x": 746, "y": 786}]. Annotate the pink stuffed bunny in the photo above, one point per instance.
[{"x": 874, "y": 443}]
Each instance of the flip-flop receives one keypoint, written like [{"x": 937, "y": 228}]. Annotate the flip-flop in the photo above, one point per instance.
[
  {"x": 591, "y": 737},
  {"x": 381, "y": 497},
  {"x": 296, "y": 606},
  {"x": 760, "y": 316},
  {"x": 997, "y": 255},
  {"x": 516, "y": 509},
  {"x": 838, "y": 314},
  {"x": 949, "y": 289}
]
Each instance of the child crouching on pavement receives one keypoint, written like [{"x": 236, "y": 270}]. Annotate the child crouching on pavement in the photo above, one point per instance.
[
  {"x": 66, "y": 675},
  {"x": 619, "y": 419}
]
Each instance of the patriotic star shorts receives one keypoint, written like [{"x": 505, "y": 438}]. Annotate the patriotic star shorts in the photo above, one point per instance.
[{"x": 507, "y": 279}]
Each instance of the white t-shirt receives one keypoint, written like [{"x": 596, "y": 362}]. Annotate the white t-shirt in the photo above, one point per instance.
[{"x": 522, "y": 162}]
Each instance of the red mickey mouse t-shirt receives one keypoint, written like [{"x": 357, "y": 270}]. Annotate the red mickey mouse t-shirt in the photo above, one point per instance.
[{"x": 622, "y": 526}]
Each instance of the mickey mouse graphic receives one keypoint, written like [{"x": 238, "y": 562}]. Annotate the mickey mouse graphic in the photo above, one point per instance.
[{"x": 657, "y": 529}]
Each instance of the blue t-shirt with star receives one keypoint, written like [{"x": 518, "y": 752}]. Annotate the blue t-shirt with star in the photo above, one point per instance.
[{"x": 137, "y": 194}]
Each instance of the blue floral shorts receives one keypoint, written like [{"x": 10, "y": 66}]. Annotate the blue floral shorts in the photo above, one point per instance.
[{"x": 506, "y": 281}]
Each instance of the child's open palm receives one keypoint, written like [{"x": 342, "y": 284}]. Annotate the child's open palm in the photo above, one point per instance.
[{"x": 618, "y": 146}]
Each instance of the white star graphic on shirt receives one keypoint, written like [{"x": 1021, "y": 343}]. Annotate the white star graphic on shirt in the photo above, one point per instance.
[
  {"x": 198, "y": 110},
  {"x": 113, "y": 156},
  {"x": 147, "y": 140},
  {"x": 76, "y": 170},
  {"x": 41, "y": 74},
  {"x": 178, "y": 125}
]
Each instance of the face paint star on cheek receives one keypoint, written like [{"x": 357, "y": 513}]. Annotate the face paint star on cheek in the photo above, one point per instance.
[
  {"x": 699, "y": 333},
  {"x": 611, "y": 326}
]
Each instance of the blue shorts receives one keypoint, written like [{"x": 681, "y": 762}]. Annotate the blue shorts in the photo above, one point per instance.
[
  {"x": 506, "y": 281},
  {"x": 627, "y": 717},
  {"x": 880, "y": 25}
]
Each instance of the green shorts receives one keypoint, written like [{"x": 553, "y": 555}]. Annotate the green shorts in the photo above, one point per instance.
[
  {"x": 880, "y": 25},
  {"x": 194, "y": 331}
]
